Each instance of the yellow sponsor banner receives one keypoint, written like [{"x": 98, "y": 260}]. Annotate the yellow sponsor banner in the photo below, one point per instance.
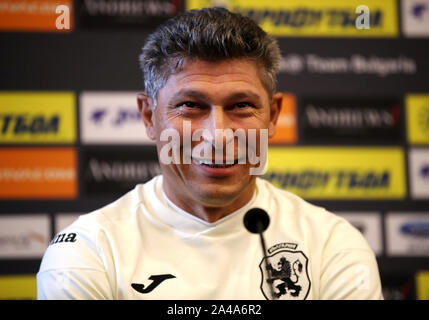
[
  {"x": 338, "y": 172},
  {"x": 307, "y": 18},
  {"x": 37, "y": 117},
  {"x": 417, "y": 108},
  {"x": 18, "y": 287},
  {"x": 422, "y": 285}
]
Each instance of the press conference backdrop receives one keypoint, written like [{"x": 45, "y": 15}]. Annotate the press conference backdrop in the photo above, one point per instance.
[{"x": 353, "y": 135}]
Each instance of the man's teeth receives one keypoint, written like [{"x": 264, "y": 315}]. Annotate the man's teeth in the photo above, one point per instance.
[{"x": 214, "y": 165}]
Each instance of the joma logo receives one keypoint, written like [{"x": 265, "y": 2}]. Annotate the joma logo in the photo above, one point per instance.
[{"x": 64, "y": 237}]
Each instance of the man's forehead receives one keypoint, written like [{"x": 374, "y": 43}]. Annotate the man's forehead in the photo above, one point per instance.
[
  {"x": 195, "y": 76},
  {"x": 230, "y": 67},
  {"x": 204, "y": 95}
]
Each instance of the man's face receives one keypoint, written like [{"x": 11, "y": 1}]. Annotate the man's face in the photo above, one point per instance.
[{"x": 211, "y": 97}]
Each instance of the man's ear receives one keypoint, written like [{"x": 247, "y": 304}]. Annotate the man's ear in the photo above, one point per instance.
[
  {"x": 146, "y": 110},
  {"x": 276, "y": 106}
]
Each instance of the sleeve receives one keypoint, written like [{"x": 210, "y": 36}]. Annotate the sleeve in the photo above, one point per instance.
[
  {"x": 349, "y": 267},
  {"x": 73, "y": 267}
]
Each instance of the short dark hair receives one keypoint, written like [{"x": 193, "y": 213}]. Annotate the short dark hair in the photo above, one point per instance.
[{"x": 209, "y": 34}]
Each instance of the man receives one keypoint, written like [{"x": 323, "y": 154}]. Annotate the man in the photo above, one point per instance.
[{"x": 209, "y": 73}]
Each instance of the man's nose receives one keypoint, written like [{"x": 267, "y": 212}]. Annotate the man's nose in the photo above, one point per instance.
[{"x": 217, "y": 125}]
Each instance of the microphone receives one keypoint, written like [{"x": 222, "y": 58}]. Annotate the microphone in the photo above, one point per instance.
[{"x": 256, "y": 220}]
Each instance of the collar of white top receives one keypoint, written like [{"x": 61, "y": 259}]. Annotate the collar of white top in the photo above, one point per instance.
[{"x": 186, "y": 222}]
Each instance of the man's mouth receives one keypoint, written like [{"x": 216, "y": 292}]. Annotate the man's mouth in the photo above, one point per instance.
[{"x": 213, "y": 164}]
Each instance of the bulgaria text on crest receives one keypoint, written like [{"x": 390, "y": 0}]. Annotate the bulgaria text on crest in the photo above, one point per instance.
[{"x": 288, "y": 272}]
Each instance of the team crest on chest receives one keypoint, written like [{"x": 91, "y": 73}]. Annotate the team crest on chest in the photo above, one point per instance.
[{"x": 287, "y": 272}]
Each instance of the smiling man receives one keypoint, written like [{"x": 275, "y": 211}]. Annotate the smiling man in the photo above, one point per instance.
[
  {"x": 212, "y": 96},
  {"x": 209, "y": 103}
]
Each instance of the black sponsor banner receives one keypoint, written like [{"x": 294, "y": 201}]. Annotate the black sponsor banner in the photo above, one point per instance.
[
  {"x": 351, "y": 121},
  {"x": 346, "y": 66},
  {"x": 125, "y": 13},
  {"x": 352, "y": 64},
  {"x": 113, "y": 171}
]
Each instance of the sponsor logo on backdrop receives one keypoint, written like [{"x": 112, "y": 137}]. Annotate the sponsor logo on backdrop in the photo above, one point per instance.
[
  {"x": 116, "y": 13},
  {"x": 111, "y": 118},
  {"x": 28, "y": 117},
  {"x": 38, "y": 173},
  {"x": 407, "y": 234},
  {"x": 327, "y": 18},
  {"x": 357, "y": 64},
  {"x": 24, "y": 236},
  {"x": 286, "y": 131},
  {"x": 28, "y": 15},
  {"x": 338, "y": 173},
  {"x": 417, "y": 108},
  {"x": 115, "y": 170},
  {"x": 416, "y": 229},
  {"x": 369, "y": 224},
  {"x": 418, "y": 161},
  {"x": 415, "y": 18},
  {"x": 350, "y": 120}
]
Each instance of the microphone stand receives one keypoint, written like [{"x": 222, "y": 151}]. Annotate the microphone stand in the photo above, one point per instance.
[{"x": 260, "y": 227}]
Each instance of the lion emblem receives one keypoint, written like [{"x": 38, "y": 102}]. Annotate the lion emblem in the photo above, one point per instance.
[{"x": 286, "y": 272}]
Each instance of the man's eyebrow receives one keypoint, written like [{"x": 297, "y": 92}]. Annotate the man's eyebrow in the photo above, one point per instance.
[
  {"x": 244, "y": 95},
  {"x": 189, "y": 93}
]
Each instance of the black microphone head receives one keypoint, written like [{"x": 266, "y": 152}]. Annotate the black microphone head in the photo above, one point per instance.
[{"x": 256, "y": 220}]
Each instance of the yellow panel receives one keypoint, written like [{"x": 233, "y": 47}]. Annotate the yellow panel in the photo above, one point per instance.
[
  {"x": 324, "y": 18},
  {"x": 36, "y": 117},
  {"x": 422, "y": 285},
  {"x": 338, "y": 173},
  {"x": 417, "y": 107},
  {"x": 18, "y": 287}
]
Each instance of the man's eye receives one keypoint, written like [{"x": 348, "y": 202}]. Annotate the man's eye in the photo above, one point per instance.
[
  {"x": 188, "y": 104},
  {"x": 242, "y": 105}
]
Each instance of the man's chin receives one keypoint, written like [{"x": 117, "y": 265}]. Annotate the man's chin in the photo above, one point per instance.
[
  {"x": 213, "y": 195},
  {"x": 215, "y": 200}
]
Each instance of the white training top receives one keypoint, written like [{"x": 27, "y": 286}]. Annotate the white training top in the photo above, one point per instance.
[{"x": 142, "y": 246}]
